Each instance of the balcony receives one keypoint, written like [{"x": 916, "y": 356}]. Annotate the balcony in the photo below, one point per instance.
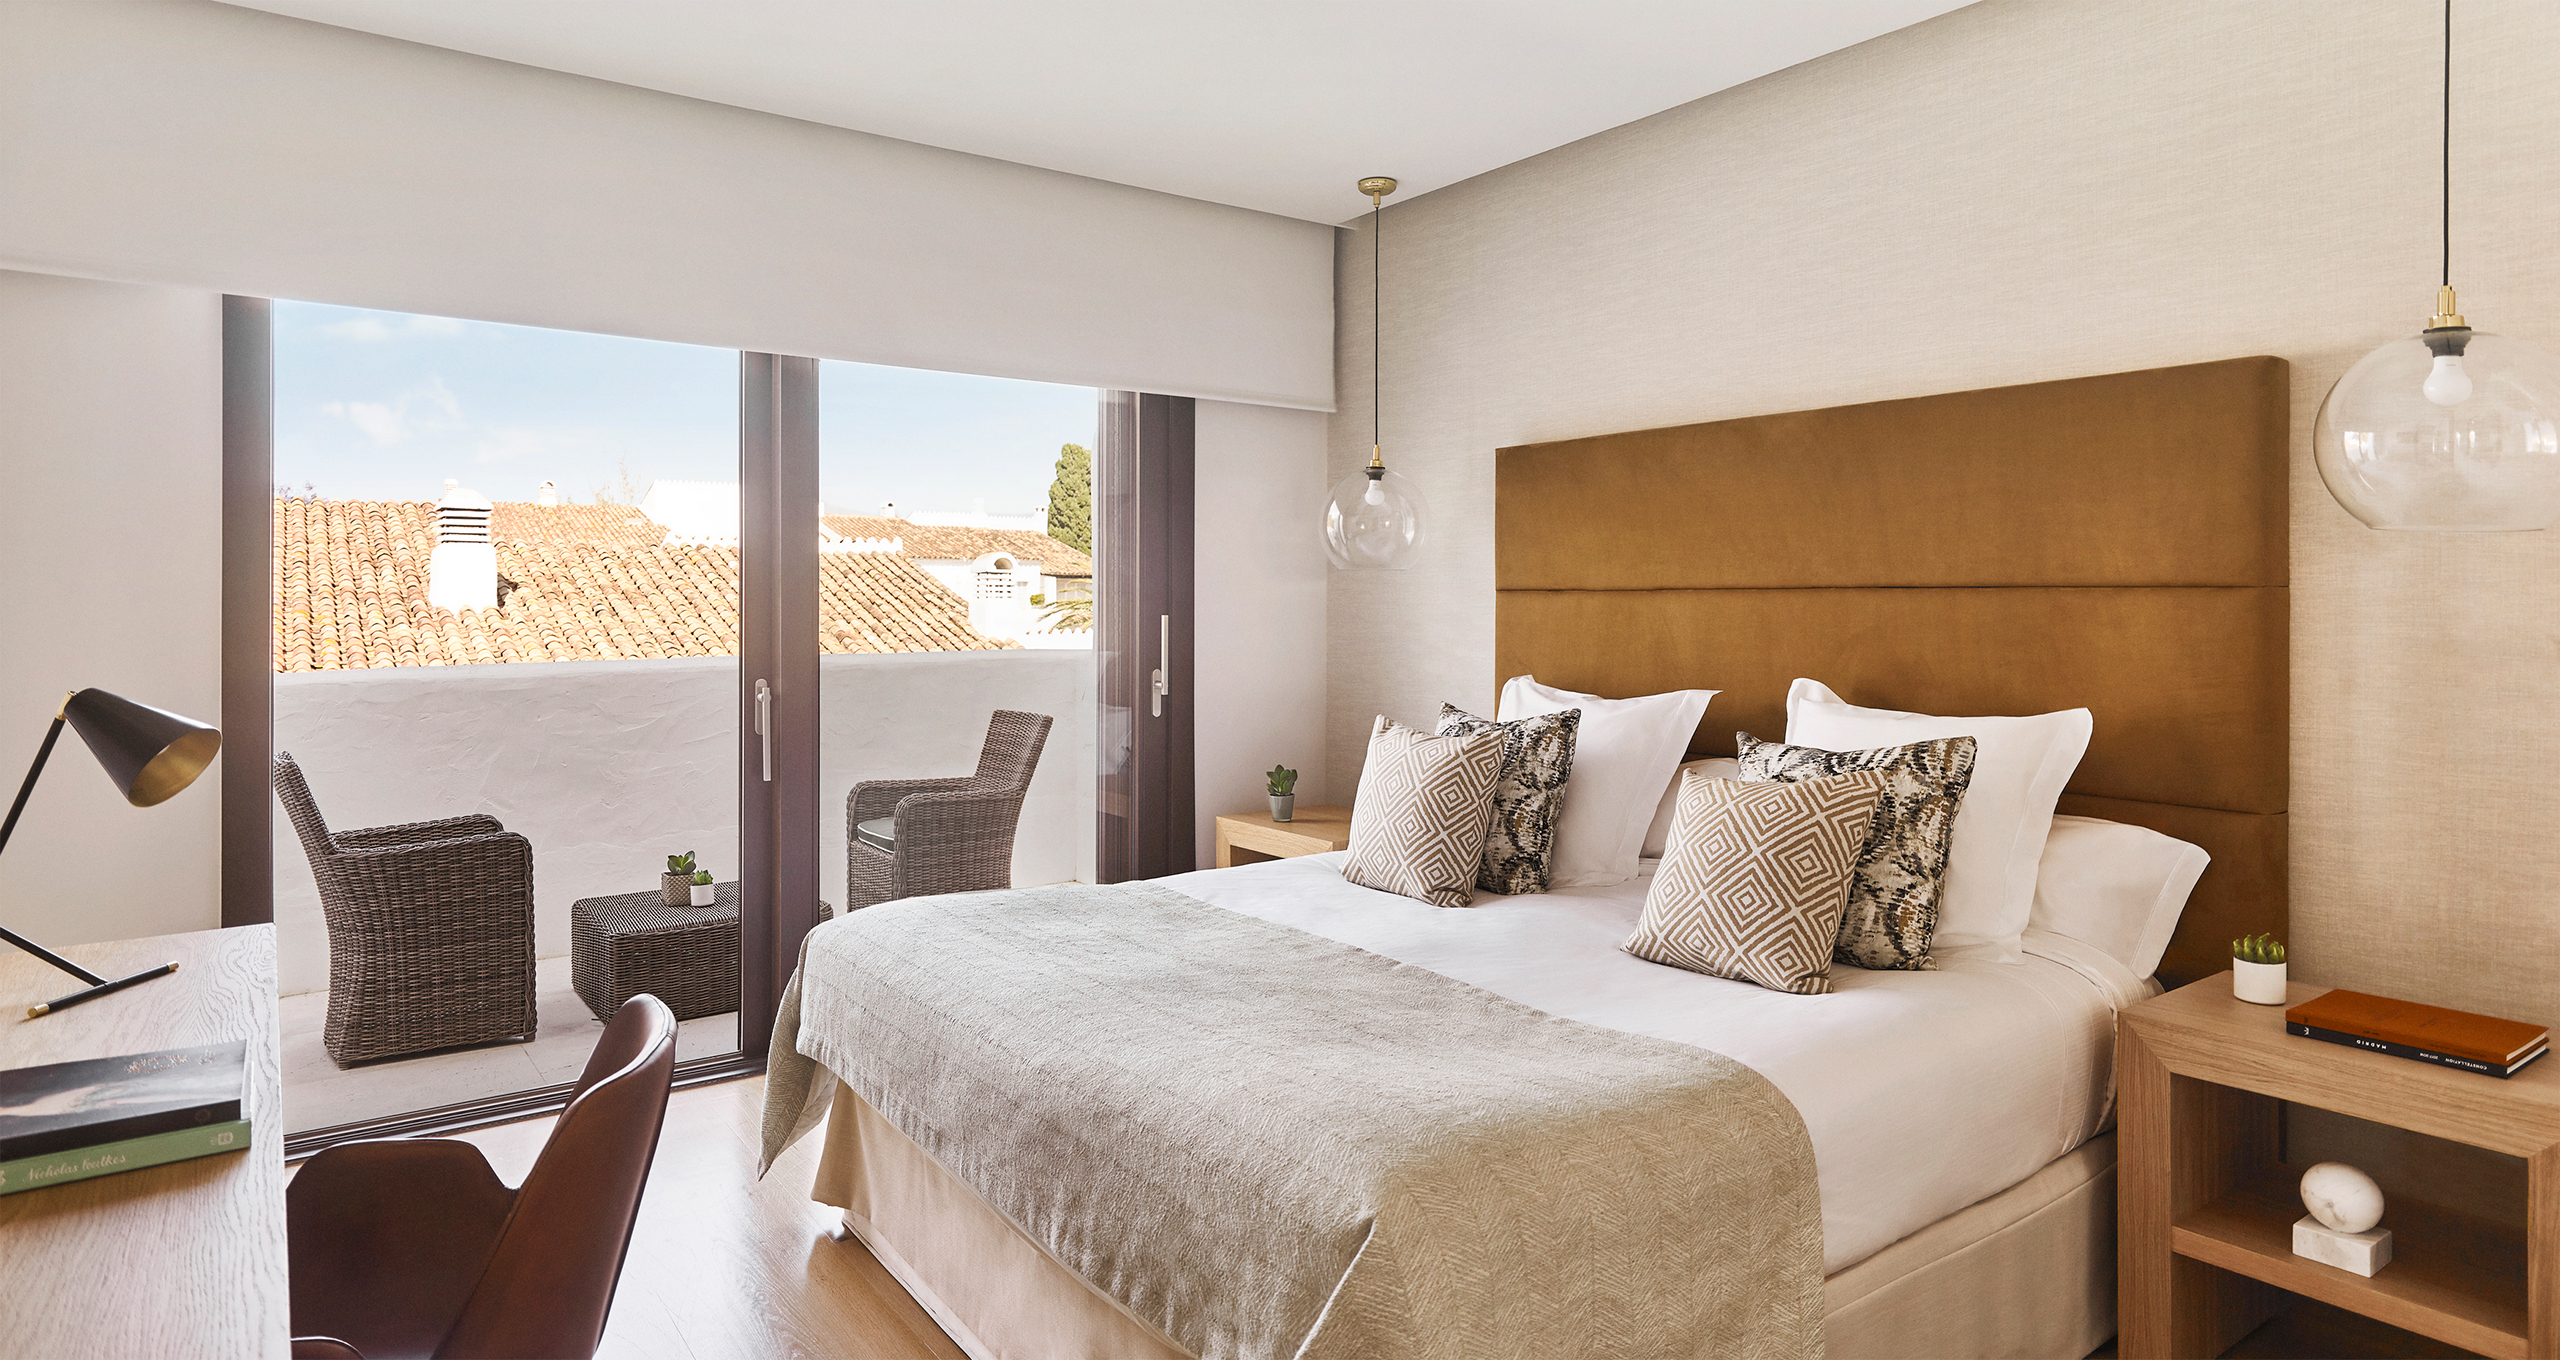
[{"x": 607, "y": 767}]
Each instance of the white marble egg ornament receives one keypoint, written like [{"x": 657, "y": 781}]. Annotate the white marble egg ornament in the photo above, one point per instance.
[{"x": 2342, "y": 1198}]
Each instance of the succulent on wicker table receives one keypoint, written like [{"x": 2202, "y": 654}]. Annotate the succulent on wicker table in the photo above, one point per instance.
[{"x": 685, "y": 956}]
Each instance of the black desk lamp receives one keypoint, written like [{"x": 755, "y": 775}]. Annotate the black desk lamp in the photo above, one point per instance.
[{"x": 152, "y": 755}]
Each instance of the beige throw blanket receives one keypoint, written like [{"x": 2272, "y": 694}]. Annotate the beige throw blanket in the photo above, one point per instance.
[{"x": 1266, "y": 1143}]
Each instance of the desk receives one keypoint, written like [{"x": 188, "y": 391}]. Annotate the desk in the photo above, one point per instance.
[{"x": 184, "y": 1259}]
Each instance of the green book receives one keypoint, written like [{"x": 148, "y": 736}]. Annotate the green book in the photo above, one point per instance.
[{"x": 133, "y": 1154}]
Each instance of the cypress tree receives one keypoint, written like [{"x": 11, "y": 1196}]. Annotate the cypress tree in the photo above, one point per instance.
[{"x": 1071, "y": 498}]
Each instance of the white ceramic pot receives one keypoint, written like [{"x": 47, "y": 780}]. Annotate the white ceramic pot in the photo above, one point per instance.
[
  {"x": 2262, "y": 983},
  {"x": 705, "y": 894},
  {"x": 1283, "y": 805}
]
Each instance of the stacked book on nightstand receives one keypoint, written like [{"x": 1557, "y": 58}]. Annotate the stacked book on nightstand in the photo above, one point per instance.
[
  {"x": 70, "y": 1121},
  {"x": 2406, "y": 1029}
]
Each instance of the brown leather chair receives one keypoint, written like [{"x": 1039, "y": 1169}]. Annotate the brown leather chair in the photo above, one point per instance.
[{"x": 413, "y": 1247}]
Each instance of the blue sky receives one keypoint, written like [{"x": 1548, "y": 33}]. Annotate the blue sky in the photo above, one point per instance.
[{"x": 385, "y": 406}]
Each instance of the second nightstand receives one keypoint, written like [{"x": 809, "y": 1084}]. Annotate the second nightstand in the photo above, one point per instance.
[
  {"x": 2207, "y": 1209},
  {"x": 1249, "y": 837}
]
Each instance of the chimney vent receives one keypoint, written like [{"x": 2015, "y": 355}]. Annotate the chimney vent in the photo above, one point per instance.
[
  {"x": 547, "y": 494},
  {"x": 462, "y": 572}
]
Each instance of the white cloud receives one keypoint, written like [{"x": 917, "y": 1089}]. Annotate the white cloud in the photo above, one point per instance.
[
  {"x": 375, "y": 327},
  {"x": 429, "y": 407},
  {"x": 364, "y": 328},
  {"x": 499, "y": 446}
]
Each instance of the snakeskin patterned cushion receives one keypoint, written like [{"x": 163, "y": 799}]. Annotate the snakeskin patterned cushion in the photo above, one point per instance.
[
  {"x": 1417, "y": 824},
  {"x": 1755, "y": 879},
  {"x": 1528, "y": 796},
  {"x": 1902, "y": 871}
]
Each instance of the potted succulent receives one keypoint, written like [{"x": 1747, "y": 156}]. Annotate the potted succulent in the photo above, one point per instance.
[
  {"x": 704, "y": 894},
  {"x": 675, "y": 886},
  {"x": 1283, "y": 784},
  {"x": 2257, "y": 969}
]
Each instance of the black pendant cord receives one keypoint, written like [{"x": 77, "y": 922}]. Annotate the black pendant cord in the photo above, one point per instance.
[{"x": 2448, "y": 143}]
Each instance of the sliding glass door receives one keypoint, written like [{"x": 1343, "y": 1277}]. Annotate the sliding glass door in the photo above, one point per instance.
[
  {"x": 506, "y": 585},
  {"x": 954, "y": 632},
  {"x": 607, "y": 665}
]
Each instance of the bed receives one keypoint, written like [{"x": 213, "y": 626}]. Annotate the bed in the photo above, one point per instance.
[{"x": 2116, "y": 543}]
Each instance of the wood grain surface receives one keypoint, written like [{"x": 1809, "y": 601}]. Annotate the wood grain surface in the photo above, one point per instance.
[
  {"x": 185, "y": 1259},
  {"x": 722, "y": 1264},
  {"x": 1314, "y": 828},
  {"x": 2207, "y": 1210}
]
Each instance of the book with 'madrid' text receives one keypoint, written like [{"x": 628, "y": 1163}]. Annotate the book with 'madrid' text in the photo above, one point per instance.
[
  {"x": 2422, "y": 1033},
  {"x": 70, "y": 1121}
]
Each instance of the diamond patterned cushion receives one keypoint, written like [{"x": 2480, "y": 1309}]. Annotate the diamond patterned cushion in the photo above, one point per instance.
[
  {"x": 1756, "y": 877},
  {"x": 1528, "y": 796},
  {"x": 1418, "y": 822},
  {"x": 1902, "y": 870}
]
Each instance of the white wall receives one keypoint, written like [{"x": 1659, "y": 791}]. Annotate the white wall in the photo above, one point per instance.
[
  {"x": 610, "y": 766},
  {"x": 2023, "y": 191},
  {"x": 110, "y": 572},
  {"x": 194, "y": 143},
  {"x": 1258, "y": 631}
]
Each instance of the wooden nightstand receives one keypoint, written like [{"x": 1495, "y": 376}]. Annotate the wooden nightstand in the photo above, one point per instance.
[
  {"x": 2206, "y": 1210},
  {"x": 1250, "y": 837}
]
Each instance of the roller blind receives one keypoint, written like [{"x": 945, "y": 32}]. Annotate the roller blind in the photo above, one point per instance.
[{"x": 199, "y": 144}]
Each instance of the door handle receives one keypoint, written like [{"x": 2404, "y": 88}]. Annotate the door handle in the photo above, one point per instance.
[
  {"x": 1164, "y": 661},
  {"x": 764, "y": 725}
]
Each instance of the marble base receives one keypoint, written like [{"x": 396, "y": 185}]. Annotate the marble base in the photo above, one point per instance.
[{"x": 2363, "y": 1253}]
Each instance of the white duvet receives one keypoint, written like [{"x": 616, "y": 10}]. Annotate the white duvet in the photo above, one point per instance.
[{"x": 1923, "y": 1092}]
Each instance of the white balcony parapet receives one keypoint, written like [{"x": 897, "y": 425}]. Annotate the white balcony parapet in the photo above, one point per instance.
[{"x": 608, "y": 767}]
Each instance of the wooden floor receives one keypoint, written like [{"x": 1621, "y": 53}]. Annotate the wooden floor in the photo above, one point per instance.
[{"x": 724, "y": 1265}]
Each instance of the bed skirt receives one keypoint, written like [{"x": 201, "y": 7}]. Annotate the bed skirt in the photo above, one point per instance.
[{"x": 2027, "y": 1272}]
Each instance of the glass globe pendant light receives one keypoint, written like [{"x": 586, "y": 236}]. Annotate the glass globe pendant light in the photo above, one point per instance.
[
  {"x": 2451, "y": 428},
  {"x": 1374, "y": 517}
]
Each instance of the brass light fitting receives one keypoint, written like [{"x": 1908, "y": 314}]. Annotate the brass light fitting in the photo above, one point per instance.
[{"x": 2448, "y": 316}]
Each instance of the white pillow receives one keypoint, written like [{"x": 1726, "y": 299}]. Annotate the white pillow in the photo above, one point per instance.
[
  {"x": 1657, "y": 837},
  {"x": 2019, "y": 768},
  {"x": 2115, "y": 886},
  {"x": 1624, "y": 751}
]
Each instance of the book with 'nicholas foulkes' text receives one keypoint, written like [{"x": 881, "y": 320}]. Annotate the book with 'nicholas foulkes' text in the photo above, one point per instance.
[
  {"x": 133, "y": 1154},
  {"x": 70, "y": 1106},
  {"x": 2409, "y": 1029}
]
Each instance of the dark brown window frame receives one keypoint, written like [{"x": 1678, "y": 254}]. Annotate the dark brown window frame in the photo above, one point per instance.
[{"x": 1145, "y": 813}]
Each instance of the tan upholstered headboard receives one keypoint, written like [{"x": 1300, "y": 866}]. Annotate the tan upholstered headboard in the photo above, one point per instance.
[{"x": 2114, "y": 543}]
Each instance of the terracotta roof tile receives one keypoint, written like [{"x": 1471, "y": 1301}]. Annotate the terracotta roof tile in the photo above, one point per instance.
[
  {"x": 576, "y": 583},
  {"x": 956, "y": 543}
]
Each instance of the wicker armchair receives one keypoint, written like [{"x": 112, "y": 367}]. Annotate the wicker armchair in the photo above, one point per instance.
[
  {"x": 948, "y": 835},
  {"x": 430, "y": 929}
]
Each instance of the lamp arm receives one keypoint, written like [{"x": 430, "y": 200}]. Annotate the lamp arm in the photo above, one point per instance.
[{"x": 44, "y": 752}]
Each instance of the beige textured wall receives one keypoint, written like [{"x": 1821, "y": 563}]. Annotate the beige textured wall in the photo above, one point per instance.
[{"x": 2016, "y": 192}]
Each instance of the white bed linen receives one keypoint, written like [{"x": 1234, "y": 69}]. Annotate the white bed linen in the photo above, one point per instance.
[{"x": 1922, "y": 1092}]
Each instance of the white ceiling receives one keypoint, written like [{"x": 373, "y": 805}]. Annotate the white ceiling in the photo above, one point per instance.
[{"x": 1272, "y": 104}]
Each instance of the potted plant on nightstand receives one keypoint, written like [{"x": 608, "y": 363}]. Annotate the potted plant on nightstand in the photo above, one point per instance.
[
  {"x": 2257, "y": 969},
  {"x": 675, "y": 886},
  {"x": 1283, "y": 783},
  {"x": 704, "y": 893}
]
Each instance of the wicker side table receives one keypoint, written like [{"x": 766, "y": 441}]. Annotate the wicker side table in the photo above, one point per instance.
[{"x": 686, "y": 957}]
